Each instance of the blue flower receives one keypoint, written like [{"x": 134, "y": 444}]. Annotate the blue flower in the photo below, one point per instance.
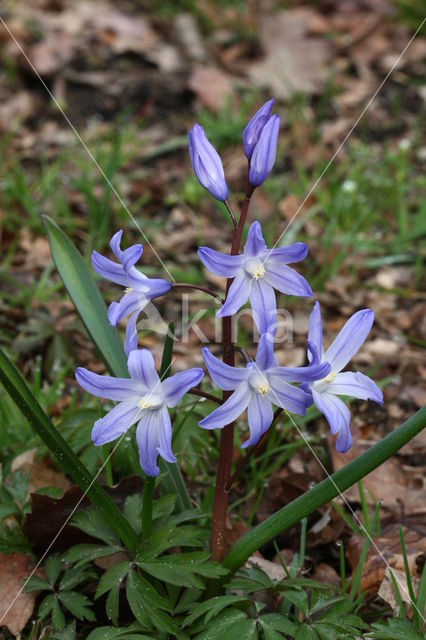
[
  {"x": 324, "y": 392},
  {"x": 139, "y": 290},
  {"x": 144, "y": 399},
  {"x": 256, "y": 387},
  {"x": 206, "y": 163},
  {"x": 257, "y": 272},
  {"x": 263, "y": 156},
  {"x": 254, "y": 128}
]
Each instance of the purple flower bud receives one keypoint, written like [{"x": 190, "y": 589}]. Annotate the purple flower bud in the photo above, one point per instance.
[
  {"x": 263, "y": 157},
  {"x": 254, "y": 128},
  {"x": 206, "y": 163}
]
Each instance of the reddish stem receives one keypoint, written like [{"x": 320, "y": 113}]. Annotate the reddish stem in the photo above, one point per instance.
[
  {"x": 220, "y": 505},
  {"x": 184, "y": 285}
]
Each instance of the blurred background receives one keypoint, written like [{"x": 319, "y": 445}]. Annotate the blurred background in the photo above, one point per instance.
[{"x": 132, "y": 77}]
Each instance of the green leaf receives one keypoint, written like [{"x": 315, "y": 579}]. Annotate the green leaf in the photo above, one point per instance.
[
  {"x": 111, "y": 633},
  {"x": 112, "y": 576},
  {"x": 27, "y": 403},
  {"x": 91, "y": 522},
  {"x": 299, "y": 599},
  {"x": 88, "y": 301},
  {"x": 147, "y": 604},
  {"x": 46, "y": 606},
  {"x": 230, "y": 624},
  {"x": 132, "y": 511},
  {"x": 86, "y": 298},
  {"x": 183, "y": 569},
  {"x": 306, "y": 633},
  {"x": 277, "y": 623},
  {"x": 395, "y": 629},
  {"x": 324, "y": 491},
  {"x": 82, "y": 553},
  {"x": 58, "y": 618},
  {"x": 53, "y": 568},
  {"x": 112, "y": 603},
  {"x": 75, "y": 576},
  {"x": 35, "y": 583},
  {"x": 67, "y": 634},
  {"x": 213, "y": 607},
  {"x": 78, "y": 604}
]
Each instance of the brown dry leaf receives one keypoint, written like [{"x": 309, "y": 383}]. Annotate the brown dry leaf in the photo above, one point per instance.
[
  {"x": 14, "y": 569},
  {"x": 40, "y": 473},
  {"x": 212, "y": 86},
  {"x": 387, "y": 591},
  {"x": 273, "y": 570},
  {"x": 52, "y": 54},
  {"x": 37, "y": 250},
  {"x": 388, "y": 543},
  {"x": 16, "y": 110},
  {"x": 293, "y": 61},
  {"x": 326, "y": 574},
  {"x": 123, "y": 32}
]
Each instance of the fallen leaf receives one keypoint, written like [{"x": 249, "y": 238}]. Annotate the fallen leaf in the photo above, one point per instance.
[
  {"x": 211, "y": 86},
  {"x": 40, "y": 473},
  {"x": 387, "y": 590},
  {"x": 14, "y": 569},
  {"x": 293, "y": 62}
]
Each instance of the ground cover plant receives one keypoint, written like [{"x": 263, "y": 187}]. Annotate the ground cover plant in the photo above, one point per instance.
[{"x": 168, "y": 528}]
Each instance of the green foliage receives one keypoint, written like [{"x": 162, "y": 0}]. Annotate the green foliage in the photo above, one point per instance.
[
  {"x": 61, "y": 582},
  {"x": 13, "y": 507}
]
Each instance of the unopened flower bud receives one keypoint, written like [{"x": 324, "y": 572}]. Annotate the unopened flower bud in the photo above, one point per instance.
[
  {"x": 206, "y": 163},
  {"x": 264, "y": 153},
  {"x": 254, "y": 128}
]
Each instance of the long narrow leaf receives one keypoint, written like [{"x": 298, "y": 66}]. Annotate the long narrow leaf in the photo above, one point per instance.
[
  {"x": 24, "y": 399},
  {"x": 324, "y": 491},
  {"x": 88, "y": 301}
]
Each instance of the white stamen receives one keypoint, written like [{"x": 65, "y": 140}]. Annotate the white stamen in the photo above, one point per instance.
[
  {"x": 331, "y": 376},
  {"x": 263, "y": 389},
  {"x": 144, "y": 403}
]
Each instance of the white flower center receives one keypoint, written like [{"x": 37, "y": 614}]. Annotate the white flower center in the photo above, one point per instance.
[
  {"x": 255, "y": 268},
  {"x": 150, "y": 401},
  {"x": 263, "y": 389},
  {"x": 128, "y": 290},
  {"x": 331, "y": 376}
]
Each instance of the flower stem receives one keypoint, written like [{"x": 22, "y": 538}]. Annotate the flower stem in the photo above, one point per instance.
[
  {"x": 206, "y": 396},
  {"x": 147, "y": 499},
  {"x": 220, "y": 504},
  {"x": 231, "y": 213},
  {"x": 184, "y": 285}
]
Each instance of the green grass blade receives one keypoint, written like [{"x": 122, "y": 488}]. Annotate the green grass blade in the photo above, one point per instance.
[
  {"x": 39, "y": 421},
  {"x": 324, "y": 491},
  {"x": 88, "y": 301}
]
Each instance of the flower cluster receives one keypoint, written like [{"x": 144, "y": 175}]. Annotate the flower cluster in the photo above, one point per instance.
[{"x": 254, "y": 275}]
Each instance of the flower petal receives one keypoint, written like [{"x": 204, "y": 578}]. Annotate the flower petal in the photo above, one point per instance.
[
  {"x": 230, "y": 410},
  {"x": 260, "y": 416},
  {"x": 152, "y": 434},
  {"x": 264, "y": 306},
  {"x": 349, "y": 339},
  {"x": 315, "y": 348},
  {"x": 220, "y": 263},
  {"x": 224, "y": 376},
  {"x": 165, "y": 444},
  {"x": 338, "y": 417},
  {"x": 254, "y": 128},
  {"x": 287, "y": 396},
  {"x": 300, "y": 374},
  {"x": 263, "y": 156},
  {"x": 237, "y": 295},
  {"x": 265, "y": 357},
  {"x": 177, "y": 385},
  {"x": 356, "y": 385},
  {"x": 115, "y": 242},
  {"x": 141, "y": 367},
  {"x": 286, "y": 279},
  {"x": 115, "y": 423},
  {"x": 130, "y": 256},
  {"x": 107, "y": 386},
  {"x": 255, "y": 243},
  {"x": 148, "y": 287},
  {"x": 108, "y": 269},
  {"x": 292, "y": 253},
  {"x": 131, "y": 339},
  {"x": 130, "y": 302}
]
